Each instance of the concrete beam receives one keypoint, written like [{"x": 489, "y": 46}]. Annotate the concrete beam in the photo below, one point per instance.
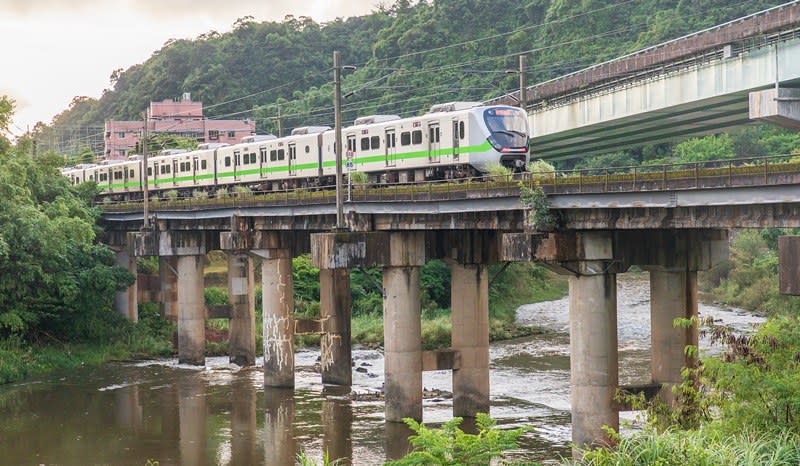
[
  {"x": 174, "y": 243},
  {"x": 779, "y": 107},
  {"x": 789, "y": 261},
  {"x": 441, "y": 360},
  {"x": 368, "y": 249},
  {"x": 464, "y": 246},
  {"x": 592, "y": 252},
  {"x": 308, "y": 326}
]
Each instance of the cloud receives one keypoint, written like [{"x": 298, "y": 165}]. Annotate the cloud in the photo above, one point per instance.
[{"x": 320, "y": 10}]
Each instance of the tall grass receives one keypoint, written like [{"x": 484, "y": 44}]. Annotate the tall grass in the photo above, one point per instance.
[{"x": 707, "y": 447}]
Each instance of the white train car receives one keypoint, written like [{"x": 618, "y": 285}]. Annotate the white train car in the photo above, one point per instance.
[{"x": 454, "y": 140}]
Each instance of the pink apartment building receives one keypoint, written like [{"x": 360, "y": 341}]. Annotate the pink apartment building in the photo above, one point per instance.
[{"x": 180, "y": 117}]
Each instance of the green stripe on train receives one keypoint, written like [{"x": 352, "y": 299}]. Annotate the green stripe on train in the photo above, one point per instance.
[{"x": 466, "y": 150}]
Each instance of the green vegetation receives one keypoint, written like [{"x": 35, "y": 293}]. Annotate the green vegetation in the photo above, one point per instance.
[
  {"x": 56, "y": 281},
  {"x": 450, "y": 446},
  {"x": 288, "y": 62}
]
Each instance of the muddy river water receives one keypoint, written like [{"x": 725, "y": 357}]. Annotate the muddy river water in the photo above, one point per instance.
[{"x": 159, "y": 412}]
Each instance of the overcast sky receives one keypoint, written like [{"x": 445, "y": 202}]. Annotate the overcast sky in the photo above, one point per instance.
[{"x": 54, "y": 50}]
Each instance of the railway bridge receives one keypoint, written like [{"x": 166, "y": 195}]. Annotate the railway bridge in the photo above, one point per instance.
[{"x": 669, "y": 220}]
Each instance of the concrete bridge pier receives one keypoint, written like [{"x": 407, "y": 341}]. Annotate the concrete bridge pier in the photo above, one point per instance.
[
  {"x": 188, "y": 250},
  {"x": 126, "y": 302},
  {"x": 191, "y": 310},
  {"x": 672, "y": 295},
  {"x": 401, "y": 254},
  {"x": 278, "y": 306},
  {"x": 241, "y": 296},
  {"x": 594, "y": 375},
  {"x": 168, "y": 275},
  {"x": 470, "y": 338},
  {"x": 279, "y": 444},
  {"x": 335, "y": 312}
]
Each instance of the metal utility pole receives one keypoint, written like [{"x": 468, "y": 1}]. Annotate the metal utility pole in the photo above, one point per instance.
[
  {"x": 146, "y": 223},
  {"x": 337, "y": 105},
  {"x": 523, "y": 86},
  {"x": 280, "y": 132}
]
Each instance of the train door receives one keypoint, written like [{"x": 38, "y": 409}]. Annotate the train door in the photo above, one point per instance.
[
  {"x": 262, "y": 162},
  {"x": 237, "y": 161},
  {"x": 175, "y": 171},
  {"x": 292, "y": 159},
  {"x": 433, "y": 143},
  {"x": 456, "y": 140},
  {"x": 156, "y": 178},
  {"x": 195, "y": 167},
  {"x": 391, "y": 149}
]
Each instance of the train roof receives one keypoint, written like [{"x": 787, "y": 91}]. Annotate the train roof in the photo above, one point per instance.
[
  {"x": 309, "y": 130},
  {"x": 372, "y": 119},
  {"x": 453, "y": 106}
]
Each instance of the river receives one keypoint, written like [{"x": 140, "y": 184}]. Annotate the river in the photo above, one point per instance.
[{"x": 167, "y": 414}]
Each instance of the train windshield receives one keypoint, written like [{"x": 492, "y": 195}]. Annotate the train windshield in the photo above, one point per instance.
[{"x": 508, "y": 126}]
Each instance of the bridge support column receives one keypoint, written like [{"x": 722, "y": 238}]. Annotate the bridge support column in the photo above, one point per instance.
[
  {"x": 243, "y": 422},
  {"x": 278, "y": 305},
  {"x": 402, "y": 335},
  {"x": 168, "y": 274},
  {"x": 193, "y": 415},
  {"x": 470, "y": 337},
  {"x": 672, "y": 295},
  {"x": 594, "y": 372},
  {"x": 191, "y": 310},
  {"x": 126, "y": 302},
  {"x": 335, "y": 311},
  {"x": 241, "y": 296}
]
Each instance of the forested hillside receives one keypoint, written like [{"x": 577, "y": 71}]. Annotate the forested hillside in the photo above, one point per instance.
[{"x": 409, "y": 55}]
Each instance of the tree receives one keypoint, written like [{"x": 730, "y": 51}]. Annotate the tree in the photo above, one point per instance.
[{"x": 55, "y": 279}]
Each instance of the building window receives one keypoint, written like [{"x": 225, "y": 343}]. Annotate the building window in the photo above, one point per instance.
[
  {"x": 121, "y": 134},
  {"x": 213, "y": 134},
  {"x": 231, "y": 134},
  {"x": 108, "y": 134}
]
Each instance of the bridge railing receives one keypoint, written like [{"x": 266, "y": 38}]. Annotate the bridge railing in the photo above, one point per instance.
[{"x": 751, "y": 171}]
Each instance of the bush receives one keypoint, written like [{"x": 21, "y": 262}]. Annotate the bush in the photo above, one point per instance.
[
  {"x": 498, "y": 171},
  {"x": 200, "y": 194},
  {"x": 171, "y": 195},
  {"x": 449, "y": 445},
  {"x": 358, "y": 177}
]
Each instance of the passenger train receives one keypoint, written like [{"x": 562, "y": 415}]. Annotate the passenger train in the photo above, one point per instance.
[{"x": 451, "y": 141}]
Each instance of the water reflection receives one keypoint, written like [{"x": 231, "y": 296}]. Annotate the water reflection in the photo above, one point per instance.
[{"x": 127, "y": 414}]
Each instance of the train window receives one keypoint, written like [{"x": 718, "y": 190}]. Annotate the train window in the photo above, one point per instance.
[
  {"x": 308, "y": 149},
  {"x": 263, "y": 155},
  {"x": 203, "y": 164},
  {"x": 416, "y": 136},
  {"x": 227, "y": 161},
  {"x": 168, "y": 168},
  {"x": 273, "y": 155},
  {"x": 460, "y": 130},
  {"x": 351, "y": 143},
  {"x": 405, "y": 138},
  {"x": 131, "y": 175},
  {"x": 253, "y": 158},
  {"x": 281, "y": 154},
  {"x": 375, "y": 142},
  {"x": 434, "y": 133},
  {"x": 149, "y": 171},
  {"x": 163, "y": 169},
  {"x": 390, "y": 140},
  {"x": 91, "y": 177},
  {"x": 364, "y": 143}
]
